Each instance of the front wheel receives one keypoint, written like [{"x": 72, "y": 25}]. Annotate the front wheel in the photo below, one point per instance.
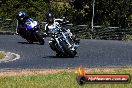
[
  {"x": 70, "y": 53},
  {"x": 41, "y": 42},
  {"x": 52, "y": 45},
  {"x": 30, "y": 42},
  {"x": 39, "y": 38}
]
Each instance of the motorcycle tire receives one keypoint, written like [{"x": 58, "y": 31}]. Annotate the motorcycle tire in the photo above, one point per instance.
[
  {"x": 72, "y": 53},
  {"x": 69, "y": 52},
  {"x": 39, "y": 38},
  {"x": 58, "y": 51},
  {"x": 59, "y": 55},
  {"x": 30, "y": 42},
  {"x": 52, "y": 46}
]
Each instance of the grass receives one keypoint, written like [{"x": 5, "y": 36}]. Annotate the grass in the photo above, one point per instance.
[
  {"x": 128, "y": 37},
  {"x": 60, "y": 80},
  {"x": 2, "y": 55}
]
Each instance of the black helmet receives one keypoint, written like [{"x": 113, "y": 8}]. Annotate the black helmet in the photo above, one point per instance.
[{"x": 50, "y": 18}]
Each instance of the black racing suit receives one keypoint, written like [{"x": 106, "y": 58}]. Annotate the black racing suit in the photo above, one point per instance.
[{"x": 21, "y": 23}]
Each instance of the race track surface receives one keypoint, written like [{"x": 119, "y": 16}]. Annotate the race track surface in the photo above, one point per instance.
[{"x": 91, "y": 53}]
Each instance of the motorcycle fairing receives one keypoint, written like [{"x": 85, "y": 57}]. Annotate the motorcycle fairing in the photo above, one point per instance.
[{"x": 30, "y": 24}]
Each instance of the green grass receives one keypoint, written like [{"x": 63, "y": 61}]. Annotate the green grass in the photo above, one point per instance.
[
  {"x": 128, "y": 37},
  {"x": 2, "y": 55},
  {"x": 60, "y": 80}
]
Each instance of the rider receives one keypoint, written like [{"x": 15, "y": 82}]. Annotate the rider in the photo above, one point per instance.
[
  {"x": 52, "y": 23},
  {"x": 21, "y": 19}
]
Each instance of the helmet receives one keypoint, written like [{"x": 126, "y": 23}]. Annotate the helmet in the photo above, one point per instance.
[
  {"x": 21, "y": 14},
  {"x": 50, "y": 18},
  {"x": 49, "y": 15}
]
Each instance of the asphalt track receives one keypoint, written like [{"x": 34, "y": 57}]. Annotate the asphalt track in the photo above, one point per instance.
[{"x": 91, "y": 53}]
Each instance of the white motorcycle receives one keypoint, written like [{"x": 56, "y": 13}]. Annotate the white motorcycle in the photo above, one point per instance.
[{"x": 62, "y": 42}]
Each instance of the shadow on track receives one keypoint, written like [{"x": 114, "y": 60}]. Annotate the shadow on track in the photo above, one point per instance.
[
  {"x": 27, "y": 43},
  {"x": 59, "y": 57}
]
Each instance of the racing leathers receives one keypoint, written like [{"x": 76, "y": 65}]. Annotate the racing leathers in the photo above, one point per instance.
[{"x": 20, "y": 23}]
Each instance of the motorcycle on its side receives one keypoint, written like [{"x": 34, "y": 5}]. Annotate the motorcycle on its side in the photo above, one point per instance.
[
  {"x": 31, "y": 32},
  {"x": 62, "y": 42}
]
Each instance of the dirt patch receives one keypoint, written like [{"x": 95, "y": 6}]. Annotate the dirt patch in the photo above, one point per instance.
[{"x": 26, "y": 72}]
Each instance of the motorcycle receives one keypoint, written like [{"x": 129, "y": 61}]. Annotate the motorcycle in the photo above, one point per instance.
[
  {"x": 62, "y": 42},
  {"x": 31, "y": 32}
]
